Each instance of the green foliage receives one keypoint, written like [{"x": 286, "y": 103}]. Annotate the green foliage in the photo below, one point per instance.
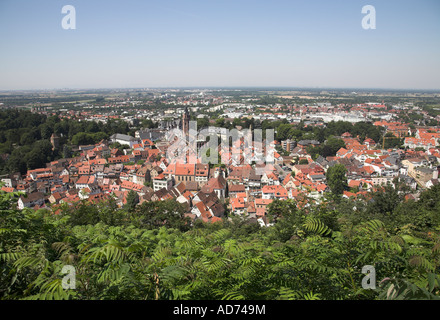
[
  {"x": 328, "y": 149},
  {"x": 83, "y": 138},
  {"x": 336, "y": 179},
  {"x": 153, "y": 252},
  {"x": 25, "y": 137},
  {"x": 391, "y": 141},
  {"x": 132, "y": 200},
  {"x": 161, "y": 213}
]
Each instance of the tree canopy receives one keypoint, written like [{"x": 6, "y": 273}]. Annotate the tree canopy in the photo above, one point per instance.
[{"x": 153, "y": 252}]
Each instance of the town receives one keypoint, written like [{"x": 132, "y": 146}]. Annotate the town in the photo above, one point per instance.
[{"x": 378, "y": 143}]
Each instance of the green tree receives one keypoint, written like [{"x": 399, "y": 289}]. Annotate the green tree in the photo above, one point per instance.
[
  {"x": 154, "y": 214},
  {"x": 283, "y": 132},
  {"x": 336, "y": 179},
  {"x": 132, "y": 200}
]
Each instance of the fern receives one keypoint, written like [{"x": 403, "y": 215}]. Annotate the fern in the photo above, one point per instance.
[
  {"x": 9, "y": 256},
  {"x": 312, "y": 296},
  {"x": 314, "y": 225},
  {"x": 288, "y": 294},
  {"x": 421, "y": 263}
]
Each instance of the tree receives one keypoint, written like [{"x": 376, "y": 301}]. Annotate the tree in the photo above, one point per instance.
[
  {"x": 27, "y": 138},
  {"x": 336, "y": 179},
  {"x": 92, "y": 127},
  {"x": 40, "y": 154},
  {"x": 202, "y": 123},
  {"x": 279, "y": 208},
  {"x": 383, "y": 204},
  {"x": 46, "y": 131},
  {"x": 283, "y": 131},
  {"x": 220, "y": 122},
  {"x": 148, "y": 123},
  {"x": 132, "y": 200},
  {"x": 309, "y": 253},
  {"x": 154, "y": 214},
  {"x": 391, "y": 141},
  {"x": 332, "y": 145},
  {"x": 67, "y": 151}
]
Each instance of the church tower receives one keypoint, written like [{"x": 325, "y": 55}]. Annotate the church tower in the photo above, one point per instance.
[
  {"x": 185, "y": 121},
  {"x": 55, "y": 141}
]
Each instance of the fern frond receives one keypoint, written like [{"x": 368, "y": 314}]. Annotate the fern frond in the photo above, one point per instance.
[{"x": 316, "y": 226}]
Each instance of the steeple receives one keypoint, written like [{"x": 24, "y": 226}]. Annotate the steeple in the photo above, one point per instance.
[
  {"x": 185, "y": 121},
  {"x": 55, "y": 141}
]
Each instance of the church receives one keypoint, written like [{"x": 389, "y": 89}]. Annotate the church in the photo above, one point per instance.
[{"x": 185, "y": 122}]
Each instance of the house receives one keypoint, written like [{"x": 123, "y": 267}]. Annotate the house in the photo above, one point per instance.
[
  {"x": 38, "y": 173},
  {"x": 184, "y": 172},
  {"x": 155, "y": 171},
  {"x": 201, "y": 173},
  {"x": 207, "y": 207},
  {"x": 143, "y": 175},
  {"x": 279, "y": 159},
  {"x": 424, "y": 175},
  {"x": 121, "y": 159},
  {"x": 238, "y": 205},
  {"x": 274, "y": 192},
  {"x": 180, "y": 172},
  {"x": 381, "y": 180},
  {"x": 254, "y": 180},
  {"x": 55, "y": 197},
  {"x": 261, "y": 206},
  {"x": 9, "y": 181},
  {"x": 86, "y": 193},
  {"x": 31, "y": 200},
  {"x": 178, "y": 190},
  {"x": 234, "y": 189},
  {"x": 85, "y": 182},
  {"x": 269, "y": 178},
  {"x": 161, "y": 195},
  {"x": 431, "y": 183},
  {"x": 131, "y": 186},
  {"x": 7, "y": 189},
  {"x": 288, "y": 144},
  {"x": 161, "y": 181},
  {"x": 409, "y": 181},
  {"x": 115, "y": 153},
  {"x": 370, "y": 143},
  {"x": 290, "y": 182},
  {"x": 217, "y": 185},
  {"x": 342, "y": 152}
]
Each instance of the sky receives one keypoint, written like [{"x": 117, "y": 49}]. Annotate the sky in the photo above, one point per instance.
[{"x": 219, "y": 43}]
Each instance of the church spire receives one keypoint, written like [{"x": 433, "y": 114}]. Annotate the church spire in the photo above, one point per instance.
[{"x": 185, "y": 121}]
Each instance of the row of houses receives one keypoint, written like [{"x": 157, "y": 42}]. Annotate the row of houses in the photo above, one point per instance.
[{"x": 240, "y": 187}]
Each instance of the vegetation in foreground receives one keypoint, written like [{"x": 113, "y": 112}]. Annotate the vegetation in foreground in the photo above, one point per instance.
[{"x": 151, "y": 251}]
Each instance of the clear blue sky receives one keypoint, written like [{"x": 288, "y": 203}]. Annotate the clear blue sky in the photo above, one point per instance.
[{"x": 136, "y": 43}]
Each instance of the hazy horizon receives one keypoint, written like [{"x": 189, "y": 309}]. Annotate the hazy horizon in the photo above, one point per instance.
[
  {"x": 225, "y": 88},
  {"x": 219, "y": 44}
]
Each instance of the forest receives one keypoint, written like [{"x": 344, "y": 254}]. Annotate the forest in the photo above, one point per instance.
[
  {"x": 25, "y": 138},
  {"x": 150, "y": 251}
]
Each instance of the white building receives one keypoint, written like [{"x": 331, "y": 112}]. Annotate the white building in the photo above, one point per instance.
[{"x": 124, "y": 139}]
